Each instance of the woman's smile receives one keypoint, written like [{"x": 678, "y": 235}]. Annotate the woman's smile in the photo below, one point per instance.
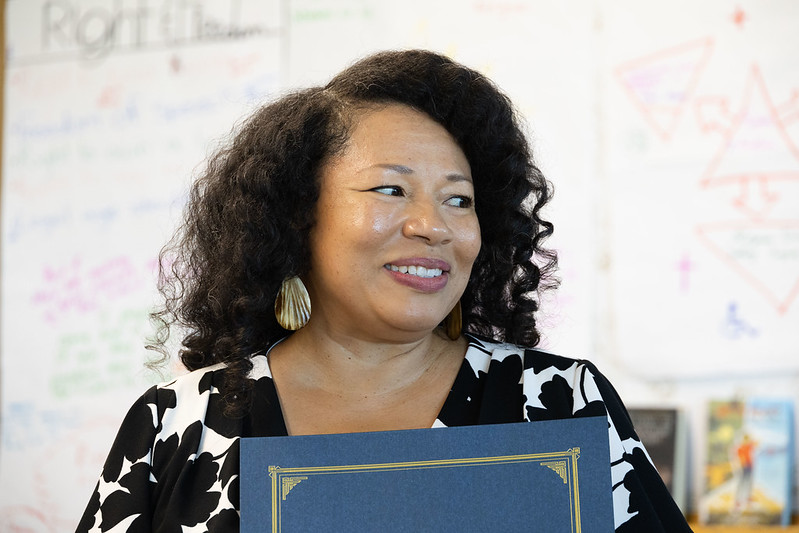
[
  {"x": 423, "y": 274},
  {"x": 413, "y": 270}
]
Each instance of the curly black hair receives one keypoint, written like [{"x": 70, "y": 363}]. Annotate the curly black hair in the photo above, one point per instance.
[{"x": 248, "y": 216}]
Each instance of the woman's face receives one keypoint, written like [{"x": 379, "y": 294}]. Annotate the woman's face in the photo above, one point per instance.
[{"x": 396, "y": 232}]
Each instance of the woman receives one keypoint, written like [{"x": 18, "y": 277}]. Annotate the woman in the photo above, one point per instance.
[{"x": 403, "y": 197}]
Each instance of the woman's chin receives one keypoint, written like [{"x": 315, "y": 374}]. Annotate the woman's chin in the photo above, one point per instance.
[
  {"x": 418, "y": 327},
  {"x": 403, "y": 329}
]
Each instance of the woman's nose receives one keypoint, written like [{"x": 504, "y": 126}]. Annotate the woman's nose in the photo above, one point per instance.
[{"x": 426, "y": 221}]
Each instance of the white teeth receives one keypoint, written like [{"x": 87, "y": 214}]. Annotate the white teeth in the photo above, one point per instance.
[{"x": 414, "y": 270}]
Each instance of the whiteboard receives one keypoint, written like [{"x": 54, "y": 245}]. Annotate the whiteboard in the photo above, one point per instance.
[
  {"x": 110, "y": 108},
  {"x": 702, "y": 134}
]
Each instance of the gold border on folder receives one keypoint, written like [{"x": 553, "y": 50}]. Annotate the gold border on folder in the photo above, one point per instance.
[{"x": 562, "y": 463}]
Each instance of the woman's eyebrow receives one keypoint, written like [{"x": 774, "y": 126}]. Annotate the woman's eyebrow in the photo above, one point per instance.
[
  {"x": 456, "y": 177},
  {"x": 402, "y": 169},
  {"x": 399, "y": 169}
]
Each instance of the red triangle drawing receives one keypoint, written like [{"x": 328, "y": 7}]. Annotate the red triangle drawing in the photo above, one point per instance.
[
  {"x": 765, "y": 254},
  {"x": 757, "y": 144},
  {"x": 661, "y": 84}
]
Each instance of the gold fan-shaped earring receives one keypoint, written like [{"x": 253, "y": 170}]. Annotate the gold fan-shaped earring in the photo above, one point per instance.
[
  {"x": 453, "y": 323},
  {"x": 293, "y": 304}
]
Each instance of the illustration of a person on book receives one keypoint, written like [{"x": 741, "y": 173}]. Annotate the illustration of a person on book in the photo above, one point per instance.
[{"x": 745, "y": 453}]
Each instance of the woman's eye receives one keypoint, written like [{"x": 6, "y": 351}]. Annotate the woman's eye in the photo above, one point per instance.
[
  {"x": 389, "y": 190},
  {"x": 460, "y": 201}
]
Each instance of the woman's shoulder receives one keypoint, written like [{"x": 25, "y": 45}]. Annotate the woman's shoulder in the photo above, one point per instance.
[
  {"x": 533, "y": 360},
  {"x": 552, "y": 386},
  {"x": 204, "y": 380},
  {"x": 192, "y": 396}
]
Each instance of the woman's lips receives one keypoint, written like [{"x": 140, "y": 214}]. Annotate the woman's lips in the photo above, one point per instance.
[{"x": 421, "y": 273}]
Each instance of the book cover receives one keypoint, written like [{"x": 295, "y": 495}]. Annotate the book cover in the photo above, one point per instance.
[
  {"x": 551, "y": 476},
  {"x": 749, "y": 463},
  {"x": 663, "y": 433}
]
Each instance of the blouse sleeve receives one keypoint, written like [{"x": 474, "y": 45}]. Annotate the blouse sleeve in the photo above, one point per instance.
[
  {"x": 121, "y": 498},
  {"x": 641, "y": 500}
]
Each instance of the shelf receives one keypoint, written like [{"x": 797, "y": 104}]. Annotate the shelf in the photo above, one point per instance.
[
  {"x": 744, "y": 529},
  {"x": 698, "y": 528}
]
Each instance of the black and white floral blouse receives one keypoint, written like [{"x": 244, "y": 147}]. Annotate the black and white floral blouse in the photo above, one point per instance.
[{"x": 174, "y": 464}]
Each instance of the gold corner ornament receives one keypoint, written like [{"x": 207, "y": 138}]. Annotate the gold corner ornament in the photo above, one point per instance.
[
  {"x": 289, "y": 483},
  {"x": 560, "y": 468}
]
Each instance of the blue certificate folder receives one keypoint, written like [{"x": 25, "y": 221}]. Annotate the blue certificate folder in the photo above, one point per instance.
[{"x": 549, "y": 476}]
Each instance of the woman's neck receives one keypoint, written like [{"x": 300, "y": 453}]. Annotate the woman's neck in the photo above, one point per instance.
[
  {"x": 331, "y": 383},
  {"x": 327, "y": 359}
]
